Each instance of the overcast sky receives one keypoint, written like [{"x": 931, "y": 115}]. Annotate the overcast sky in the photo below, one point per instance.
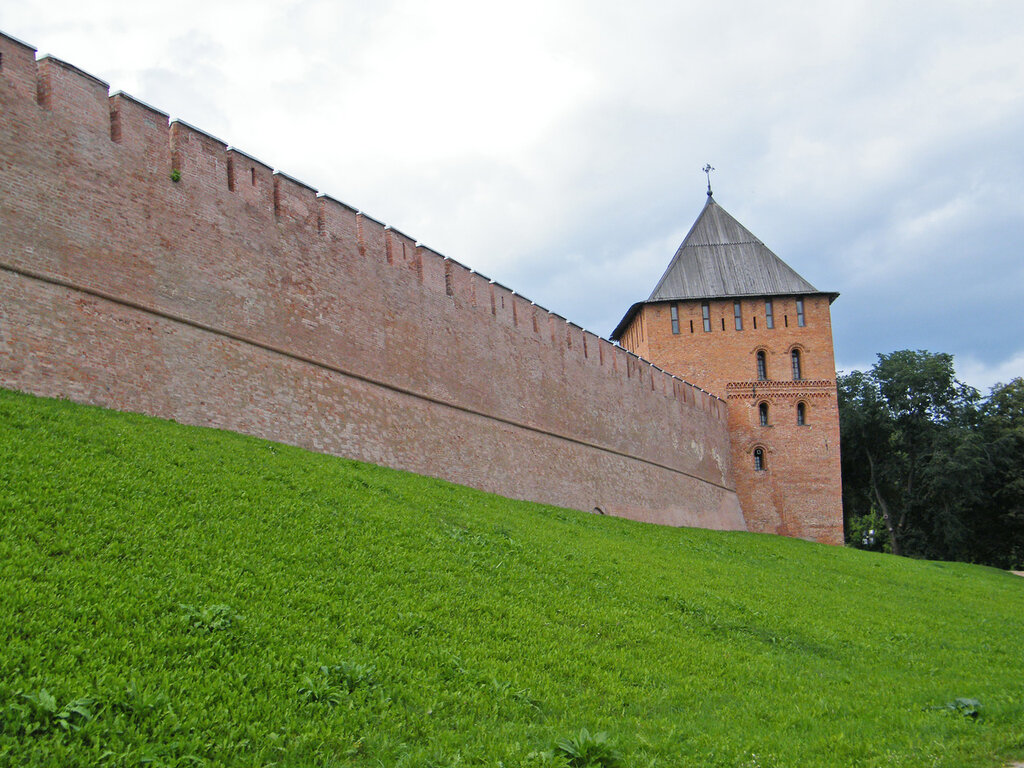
[{"x": 876, "y": 147}]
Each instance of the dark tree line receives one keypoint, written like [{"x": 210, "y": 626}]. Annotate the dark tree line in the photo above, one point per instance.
[{"x": 930, "y": 467}]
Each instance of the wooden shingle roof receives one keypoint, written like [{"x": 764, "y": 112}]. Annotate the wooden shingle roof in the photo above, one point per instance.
[{"x": 720, "y": 258}]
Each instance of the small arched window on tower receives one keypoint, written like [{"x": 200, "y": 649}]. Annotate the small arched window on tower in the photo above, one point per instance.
[
  {"x": 759, "y": 465},
  {"x": 801, "y": 414},
  {"x": 762, "y": 366},
  {"x": 762, "y": 414},
  {"x": 797, "y": 375}
]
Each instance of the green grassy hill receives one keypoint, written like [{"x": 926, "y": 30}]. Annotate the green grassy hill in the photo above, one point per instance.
[{"x": 175, "y": 596}]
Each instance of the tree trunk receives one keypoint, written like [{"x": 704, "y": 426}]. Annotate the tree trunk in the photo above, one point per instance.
[{"x": 893, "y": 539}]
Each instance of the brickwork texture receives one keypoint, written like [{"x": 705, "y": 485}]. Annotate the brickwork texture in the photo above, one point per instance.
[
  {"x": 797, "y": 489},
  {"x": 146, "y": 266}
]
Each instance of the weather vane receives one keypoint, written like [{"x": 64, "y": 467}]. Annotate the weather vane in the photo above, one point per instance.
[{"x": 708, "y": 168}]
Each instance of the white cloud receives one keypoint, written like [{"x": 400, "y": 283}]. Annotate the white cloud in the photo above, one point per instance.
[{"x": 983, "y": 376}]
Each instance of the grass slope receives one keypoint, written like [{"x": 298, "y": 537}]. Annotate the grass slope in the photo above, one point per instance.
[{"x": 180, "y": 596}]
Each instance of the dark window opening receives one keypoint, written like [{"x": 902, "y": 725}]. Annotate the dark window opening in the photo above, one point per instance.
[
  {"x": 737, "y": 313},
  {"x": 759, "y": 464},
  {"x": 252, "y": 176},
  {"x": 762, "y": 412},
  {"x": 769, "y": 318},
  {"x": 797, "y": 375},
  {"x": 705, "y": 312},
  {"x": 691, "y": 326},
  {"x": 723, "y": 323},
  {"x": 674, "y": 311},
  {"x": 801, "y": 414},
  {"x": 785, "y": 320},
  {"x": 762, "y": 367},
  {"x": 800, "y": 313},
  {"x": 755, "y": 322}
]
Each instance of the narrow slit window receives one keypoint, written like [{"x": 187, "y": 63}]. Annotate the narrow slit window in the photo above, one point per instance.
[
  {"x": 759, "y": 465},
  {"x": 737, "y": 313},
  {"x": 801, "y": 414},
  {"x": 705, "y": 311},
  {"x": 723, "y": 323},
  {"x": 800, "y": 313},
  {"x": 762, "y": 366},
  {"x": 762, "y": 414},
  {"x": 674, "y": 311},
  {"x": 252, "y": 176},
  {"x": 769, "y": 318},
  {"x": 691, "y": 326},
  {"x": 797, "y": 374}
]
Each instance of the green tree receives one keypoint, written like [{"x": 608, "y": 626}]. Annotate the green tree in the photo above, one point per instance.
[
  {"x": 1001, "y": 516},
  {"x": 866, "y": 429},
  {"x": 901, "y": 423}
]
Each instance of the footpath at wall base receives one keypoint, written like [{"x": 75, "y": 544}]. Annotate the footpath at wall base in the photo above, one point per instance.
[{"x": 145, "y": 266}]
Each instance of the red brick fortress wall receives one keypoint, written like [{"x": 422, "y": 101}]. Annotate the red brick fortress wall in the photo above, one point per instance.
[{"x": 236, "y": 297}]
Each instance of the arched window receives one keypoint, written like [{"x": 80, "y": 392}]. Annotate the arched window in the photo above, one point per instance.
[
  {"x": 759, "y": 465},
  {"x": 796, "y": 365},
  {"x": 762, "y": 411},
  {"x": 801, "y": 414},
  {"x": 762, "y": 366}
]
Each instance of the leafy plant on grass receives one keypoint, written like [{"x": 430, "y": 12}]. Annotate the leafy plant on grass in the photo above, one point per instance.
[
  {"x": 351, "y": 675},
  {"x": 138, "y": 704},
  {"x": 318, "y": 689},
  {"x": 38, "y": 712},
  {"x": 210, "y": 618},
  {"x": 329, "y": 683},
  {"x": 589, "y": 751}
]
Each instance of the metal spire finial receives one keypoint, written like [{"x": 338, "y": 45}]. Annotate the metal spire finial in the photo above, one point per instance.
[{"x": 708, "y": 168}]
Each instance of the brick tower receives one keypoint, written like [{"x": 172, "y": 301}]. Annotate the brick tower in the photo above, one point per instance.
[{"x": 732, "y": 317}]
